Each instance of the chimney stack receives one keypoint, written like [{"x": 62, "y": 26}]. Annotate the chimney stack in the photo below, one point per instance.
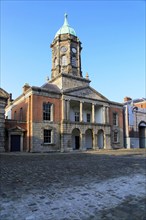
[
  {"x": 126, "y": 99},
  {"x": 26, "y": 87}
]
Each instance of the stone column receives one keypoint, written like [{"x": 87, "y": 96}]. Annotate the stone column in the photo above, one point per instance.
[
  {"x": 107, "y": 114},
  {"x": 103, "y": 115},
  {"x": 82, "y": 141},
  {"x": 68, "y": 110},
  {"x": 81, "y": 111},
  {"x": 94, "y": 141},
  {"x": 93, "y": 113},
  {"x": 63, "y": 109}
]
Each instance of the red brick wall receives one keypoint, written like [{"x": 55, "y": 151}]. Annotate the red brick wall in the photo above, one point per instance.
[
  {"x": 16, "y": 108},
  {"x": 33, "y": 109},
  {"x": 37, "y": 106},
  {"x": 119, "y": 111}
]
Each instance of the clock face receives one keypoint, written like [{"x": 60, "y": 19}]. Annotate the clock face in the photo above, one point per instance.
[
  {"x": 74, "y": 50},
  {"x": 63, "y": 49}
]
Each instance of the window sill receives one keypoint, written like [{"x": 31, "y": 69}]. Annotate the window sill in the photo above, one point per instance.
[
  {"x": 46, "y": 121},
  {"x": 47, "y": 144}
]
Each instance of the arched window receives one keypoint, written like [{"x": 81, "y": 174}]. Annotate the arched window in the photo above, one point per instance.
[
  {"x": 55, "y": 62},
  {"x": 64, "y": 60},
  {"x": 21, "y": 114}
]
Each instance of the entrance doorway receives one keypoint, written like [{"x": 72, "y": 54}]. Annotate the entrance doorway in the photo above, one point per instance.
[
  {"x": 76, "y": 139},
  {"x": 15, "y": 142},
  {"x": 16, "y": 138},
  {"x": 77, "y": 142}
]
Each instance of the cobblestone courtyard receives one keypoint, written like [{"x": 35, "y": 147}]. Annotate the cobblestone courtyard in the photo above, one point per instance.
[{"x": 92, "y": 185}]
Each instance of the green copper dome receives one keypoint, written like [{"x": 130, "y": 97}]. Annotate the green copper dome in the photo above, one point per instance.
[{"x": 66, "y": 29}]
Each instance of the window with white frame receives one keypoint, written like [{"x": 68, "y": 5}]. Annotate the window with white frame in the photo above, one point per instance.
[
  {"x": 115, "y": 118},
  {"x": 47, "y": 136},
  {"x": 47, "y": 111},
  {"x": 77, "y": 116}
]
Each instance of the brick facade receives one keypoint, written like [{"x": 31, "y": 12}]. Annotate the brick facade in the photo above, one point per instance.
[{"x": 135, "y": 123}]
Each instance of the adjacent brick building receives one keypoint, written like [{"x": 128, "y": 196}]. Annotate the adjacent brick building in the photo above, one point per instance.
[
  {"x": 65, "y": 113},
  {"x": 135, "y": 123}
]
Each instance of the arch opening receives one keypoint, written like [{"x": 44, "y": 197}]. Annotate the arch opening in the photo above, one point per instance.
[{"x": 76, "y": 139}]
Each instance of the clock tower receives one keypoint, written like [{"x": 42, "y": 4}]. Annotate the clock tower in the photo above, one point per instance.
[{"x": 66, "y": 57}]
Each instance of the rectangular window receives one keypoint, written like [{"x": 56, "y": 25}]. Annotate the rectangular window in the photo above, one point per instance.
[
  {"x": 88, "y": 117},
  {"x": 77, "y": 116},
  {"x": 73, "y": 61},
  {"x": 115, "y": 137},
  {"x": 47, "y": 136},
  {"x": 47, "y": 111},
  {"x": 115, "y": 119}
]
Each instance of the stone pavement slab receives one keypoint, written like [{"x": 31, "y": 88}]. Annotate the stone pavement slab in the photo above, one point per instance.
[{"x": 91, "y": 185}]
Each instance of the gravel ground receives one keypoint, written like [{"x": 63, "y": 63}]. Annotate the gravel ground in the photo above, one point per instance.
[{"x": 93, "y": 185}]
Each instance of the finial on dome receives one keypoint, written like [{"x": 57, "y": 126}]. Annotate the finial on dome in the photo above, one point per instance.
[
  {"x": 87, "y": 76},
  {"x": 66, "y": 28},
  {"x": 65, "y": 19}
]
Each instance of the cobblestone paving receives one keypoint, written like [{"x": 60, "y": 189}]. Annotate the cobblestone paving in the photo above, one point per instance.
[{"x": 71, "y": 186}]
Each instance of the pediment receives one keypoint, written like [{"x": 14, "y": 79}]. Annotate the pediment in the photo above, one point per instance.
[
  {"x": 16, "y": 129},
  {"x": 85, "y": 92}
]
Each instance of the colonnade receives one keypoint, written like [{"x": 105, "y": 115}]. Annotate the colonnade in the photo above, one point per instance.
[{"x": 66, "y": 111}]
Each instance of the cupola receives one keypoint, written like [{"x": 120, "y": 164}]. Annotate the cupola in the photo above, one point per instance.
[{"x": 66, "y": 29}]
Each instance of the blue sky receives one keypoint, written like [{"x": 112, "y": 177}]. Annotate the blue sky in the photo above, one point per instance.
[{"x": 112, "y": 35}]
